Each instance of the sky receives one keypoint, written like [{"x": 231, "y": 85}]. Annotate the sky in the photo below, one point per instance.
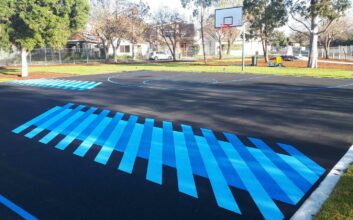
[{"x": 156, "y": 4}]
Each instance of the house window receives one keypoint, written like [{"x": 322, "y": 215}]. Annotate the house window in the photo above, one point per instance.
[{"x": 125, "y": 49}]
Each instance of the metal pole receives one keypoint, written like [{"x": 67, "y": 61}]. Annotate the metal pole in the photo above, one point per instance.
[{"x": 243, "y": 51}]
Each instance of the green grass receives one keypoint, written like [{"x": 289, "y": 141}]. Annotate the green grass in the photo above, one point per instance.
[
  {"x": 340, "y": 204},
  {"x": 5, "y": 80},
  {"x": 185, "y": 67}
]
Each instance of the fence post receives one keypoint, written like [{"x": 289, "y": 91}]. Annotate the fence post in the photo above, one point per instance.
[
  {"x": 339, "y": 51},
  {"x": 45, "y": 55},
  {"x": 59, "y": 56}
]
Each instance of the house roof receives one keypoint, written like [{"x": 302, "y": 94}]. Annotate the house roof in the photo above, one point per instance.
[{"x": 81, "y": 37}]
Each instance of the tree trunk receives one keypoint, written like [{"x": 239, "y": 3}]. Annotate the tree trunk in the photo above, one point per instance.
[
  {"x": 133, "y": 51},
  {"x": 203, "y": 36},
  {"x": 229, "y": 45},
  {"x": 313, "y": 55},
  {"x": 327, "y": 48},
  {"x": 220, "y": 49},
  {"x": 265, "y": 49},
  {"x": 114, "y": 52},
  {"x": 24, "y": 69}
]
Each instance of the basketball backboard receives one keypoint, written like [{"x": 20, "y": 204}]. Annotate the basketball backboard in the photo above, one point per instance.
[{"x": 232, "y": 17}]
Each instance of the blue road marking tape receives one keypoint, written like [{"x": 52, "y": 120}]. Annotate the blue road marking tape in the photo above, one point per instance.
[
  {"x": 15, "y": 208},
  {"x": 57, "y": 84},
  {"x": 266, "y": 175}
]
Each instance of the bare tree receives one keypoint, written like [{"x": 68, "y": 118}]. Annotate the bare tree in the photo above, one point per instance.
[
  {"x": 200, "y": 10},
  {"x": 169, "y": 25},
  {"x": 215, "y": 33},
  {"x": 231, "y": 36},
  {"x": 109, "y": 23},
  {"x": 336, "y": 30},
  {"x": 137, "y": 12}
]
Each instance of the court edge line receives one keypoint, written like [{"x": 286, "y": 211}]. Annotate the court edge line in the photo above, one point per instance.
[
  {"x": 16, "y": 209},
  {"x": 313, "y": 204}
]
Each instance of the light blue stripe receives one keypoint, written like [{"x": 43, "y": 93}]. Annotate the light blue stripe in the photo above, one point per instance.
[
  {"x": 49, "y": 137},
  {"x": 154, "y": 167},
  {"x": 92, "y": 138},
  {"x": 108, "y": 147},
  {"x": 290, "y": 171},
  {"x": 55, "y": 83},
  {"x": 95, "y": 85},
  {"x": 109, "y": 129},
  {"x": 263, "y": 201},
  {"x": 292, "y": 191},
  {"x": 77, "y": 85},
  {"x": 303, "y": 171},
  {"x": 18, "y": 210},
  {"x": 302, "y": 158},
  {"x": 63, "y": 83},
  {"x": 63, "y": 144},
  {"x": 47, "y": 83},
  {"x": 87, "y": 85},
  {"x": 42, "y": 127},
  {"x": 35, "y": 120},
  {"x": 274, "y": 181},
  {"x": 223, "y": 195},
  {"x": 186, "y": 182},
  {"x": 69, "y": 85},
  {"x": 128, "y": 160},
  {"x": 84, "y": 83}
]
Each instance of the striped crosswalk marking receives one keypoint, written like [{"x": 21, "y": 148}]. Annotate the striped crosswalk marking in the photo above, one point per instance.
[
  {"x": 57, "y": 84},
  {"x": 266, "y": 175}
]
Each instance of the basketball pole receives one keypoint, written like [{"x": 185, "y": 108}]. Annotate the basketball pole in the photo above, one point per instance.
[{"x": 243, "y": 51}]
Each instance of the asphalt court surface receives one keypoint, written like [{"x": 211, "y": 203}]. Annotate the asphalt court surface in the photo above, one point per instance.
[{"x": 259, "y": 121}]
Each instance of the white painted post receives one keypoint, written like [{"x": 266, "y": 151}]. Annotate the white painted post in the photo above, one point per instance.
[{"x": 339, "y": 52}]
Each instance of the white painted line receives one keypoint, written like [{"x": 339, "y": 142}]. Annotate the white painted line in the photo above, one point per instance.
[{"x": 313, "y": 204}]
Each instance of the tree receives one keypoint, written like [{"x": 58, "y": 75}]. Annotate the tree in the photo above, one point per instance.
[
  {"x": 137, "y": 13},
  {"x": 216, "y": 34},
  {"x": 110, "y": 25},
  {"x": 33, "y": 23},
  {"x": 264, "y": 17},
  {"x": 310, "y": 14},
  {"x": 169, "y": 25},
  {"x": 280, "y": 39},
  {"x": 299, "y": 37},
  {"x": 231, "y": 35},
  {"x": 337, "y": 30},
  {"x": 200, "y": 10}
]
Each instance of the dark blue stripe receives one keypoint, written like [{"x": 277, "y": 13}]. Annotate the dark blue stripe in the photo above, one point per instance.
[
  {"x": 227, "y": 169},
  {"x": 168, "y": 144},
  {"x": 195, "y": 157},
  {"x": 109, "y": 129},
  {"x": 267, "y": 182},
  {"x": 124, "y": 139},
  {"x": 62, "y": 120},
  {"x": 78, "y": 121},
  {"x": 302, "y": 158},
  {"x": 145, "y": 147},
  {"x": 18, "y": 210},
  {"x": 302, "y": 183},
  {"x": 93, "y": 125}
]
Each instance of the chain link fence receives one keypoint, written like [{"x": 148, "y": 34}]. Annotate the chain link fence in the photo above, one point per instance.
[
  {"x": 47, "y": 56},
  {"x": 338, "y": 52}
]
